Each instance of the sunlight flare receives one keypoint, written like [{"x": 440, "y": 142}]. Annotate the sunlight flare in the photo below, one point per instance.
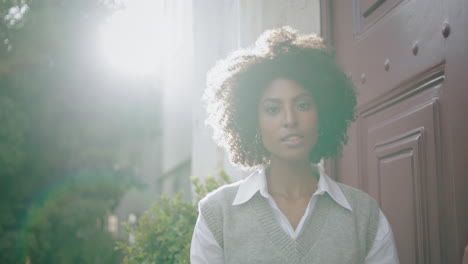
[{"x": 130, "y": 40}]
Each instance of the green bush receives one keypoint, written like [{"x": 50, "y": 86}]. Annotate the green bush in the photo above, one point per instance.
[
  {"x": 164, "y": 232},
  {"x": 67, "y": 225},
  {"x": 65, "y": 123}
]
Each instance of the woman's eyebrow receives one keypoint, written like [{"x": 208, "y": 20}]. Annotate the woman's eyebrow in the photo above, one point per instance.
[
  {"x": 299, "y": 96},
  {"x": 273, "y": 100},
  {"x": 295, "y": 98}
]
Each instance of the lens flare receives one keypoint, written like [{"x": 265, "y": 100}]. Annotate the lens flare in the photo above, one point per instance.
[{"x": 129, "y": 40}]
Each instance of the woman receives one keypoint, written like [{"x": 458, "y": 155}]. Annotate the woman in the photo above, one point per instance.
[{"x": 282, "y": 107}]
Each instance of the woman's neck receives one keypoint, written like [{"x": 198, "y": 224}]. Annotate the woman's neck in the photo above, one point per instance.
[{"x": 291, "y": 180}]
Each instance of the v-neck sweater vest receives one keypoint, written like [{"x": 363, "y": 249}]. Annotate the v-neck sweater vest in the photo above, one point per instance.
[{"x": 249, "y": 232}]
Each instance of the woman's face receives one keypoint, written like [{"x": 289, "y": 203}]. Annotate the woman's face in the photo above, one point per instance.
[{"x": 288, "y": 120}]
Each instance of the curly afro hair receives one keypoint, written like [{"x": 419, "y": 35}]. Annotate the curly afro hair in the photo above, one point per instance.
[{"x": 236, "y": 84}]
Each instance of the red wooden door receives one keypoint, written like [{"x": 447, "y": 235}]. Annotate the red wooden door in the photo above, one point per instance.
[{"x": 409, "y": 146}]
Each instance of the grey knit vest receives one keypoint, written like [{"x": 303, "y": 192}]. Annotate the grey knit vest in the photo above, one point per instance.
[{"x": 249, "y": 232}]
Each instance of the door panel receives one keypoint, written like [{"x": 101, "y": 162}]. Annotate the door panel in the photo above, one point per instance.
[
  {"x": 402, "y": 168},
  {"x": 370, "y": 11},
  {"x": 408, "y": 148}
]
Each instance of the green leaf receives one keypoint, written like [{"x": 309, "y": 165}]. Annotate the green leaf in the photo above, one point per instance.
[{"x": 163, "y": 233}]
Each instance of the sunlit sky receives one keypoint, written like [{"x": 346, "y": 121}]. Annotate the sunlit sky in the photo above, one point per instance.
[{"x": 129, "y": 39}]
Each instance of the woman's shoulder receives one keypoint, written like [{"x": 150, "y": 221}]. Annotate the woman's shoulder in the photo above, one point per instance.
[
  {"x": 217, "y": 203},
  {"x": 357, "y": 198},
  {"x": 365, "y": 211},
  {"x": 222, "y": 195}
]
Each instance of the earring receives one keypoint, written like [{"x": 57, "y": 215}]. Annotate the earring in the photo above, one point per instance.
[
  {"x": 258, "y": 139},
  {"x": 260, "y": 150}
]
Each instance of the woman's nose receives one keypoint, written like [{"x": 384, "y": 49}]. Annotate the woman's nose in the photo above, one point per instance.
[{"x": 290, "y": 118}]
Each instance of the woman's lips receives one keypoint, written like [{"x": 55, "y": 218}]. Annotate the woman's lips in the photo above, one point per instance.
[{"x": 292, "y": 140}]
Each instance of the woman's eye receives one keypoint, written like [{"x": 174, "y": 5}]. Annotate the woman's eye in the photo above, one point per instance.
[
  {"x": 304, "y": 106},
  {"x": 272, "y": 109}
]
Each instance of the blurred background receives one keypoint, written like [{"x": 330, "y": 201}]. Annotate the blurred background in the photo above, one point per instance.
[{"x": 100, "y": 113}]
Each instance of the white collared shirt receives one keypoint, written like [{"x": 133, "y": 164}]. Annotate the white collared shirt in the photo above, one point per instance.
[{"x": 204, "y": 248}]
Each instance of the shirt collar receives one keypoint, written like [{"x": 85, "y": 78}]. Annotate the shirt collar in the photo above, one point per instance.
[{"x": 256, "y": 182}]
